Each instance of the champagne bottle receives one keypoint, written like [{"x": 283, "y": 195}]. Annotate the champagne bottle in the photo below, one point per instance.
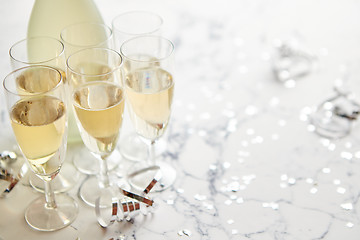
[{"x": 48, "y": 18}]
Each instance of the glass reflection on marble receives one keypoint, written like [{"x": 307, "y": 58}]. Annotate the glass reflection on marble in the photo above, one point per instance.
[
  {"x": 334, "y": 117},
  {"x": 292, "y": 62}
]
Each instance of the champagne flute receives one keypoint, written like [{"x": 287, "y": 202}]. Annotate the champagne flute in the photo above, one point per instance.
[
  {"x": 50, "y": 52},
  {"x": 76, "y": 37},
  {"x": 86, "y": 35},
  {"x": 38, "y": 115},
  {"x": 98, "y": 104},
  {"x": 149, "y": 86},
  {"x": 133, "y": 24},
  {"x": 125, "y": 26}
]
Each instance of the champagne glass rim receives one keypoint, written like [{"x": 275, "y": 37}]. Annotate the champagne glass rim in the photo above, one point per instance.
[
  {"x": 7, "y": 89},
  {"x": 62, "y": 51},
  {"x": 113, "y": 69},
  {"x": 116, "y": 26},
  {"x": 158, "y": 59},
  {"x": 102, "y": 25}
]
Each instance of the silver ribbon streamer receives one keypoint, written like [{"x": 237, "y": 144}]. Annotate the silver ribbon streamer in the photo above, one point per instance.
[{"x": 121, "y": 209}]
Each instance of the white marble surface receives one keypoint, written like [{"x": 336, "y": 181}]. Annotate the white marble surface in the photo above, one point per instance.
[{"x": 249, "y": 165}]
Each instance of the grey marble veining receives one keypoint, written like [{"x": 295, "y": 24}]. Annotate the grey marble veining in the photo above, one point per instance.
[{"x": 249, "y": 164}]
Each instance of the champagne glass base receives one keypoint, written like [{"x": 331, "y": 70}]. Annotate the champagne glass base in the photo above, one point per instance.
[
  {"x": 141, "y": 175},
  {"x": 66, "y": 179},
  {"x": 42, "y": 218},
  {"x": 90, "y": 190},
  {"x": 134, "y": 149},
  {"x": 90, "y": 165}
]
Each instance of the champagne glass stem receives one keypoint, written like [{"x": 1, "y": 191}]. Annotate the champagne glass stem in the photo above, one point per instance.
[
  {"x": 49, "y": 195},
  {"x": 103, "y": 176},
  {"x": 151, "y": 153}
]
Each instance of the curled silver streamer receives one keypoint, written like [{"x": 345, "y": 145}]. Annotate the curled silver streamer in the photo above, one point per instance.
[{"x": 131, "y": 203}]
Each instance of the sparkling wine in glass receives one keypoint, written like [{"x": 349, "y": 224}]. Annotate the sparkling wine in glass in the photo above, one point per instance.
[
  {"x": 149, "y": 87},
  {"x": 98, "y": 101},
  {"x": 39, "y": 121},
  {"x": 76, "y": 37},
  {"x": 50, "y": 52},
  {"x": 125, "y": 26}
]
